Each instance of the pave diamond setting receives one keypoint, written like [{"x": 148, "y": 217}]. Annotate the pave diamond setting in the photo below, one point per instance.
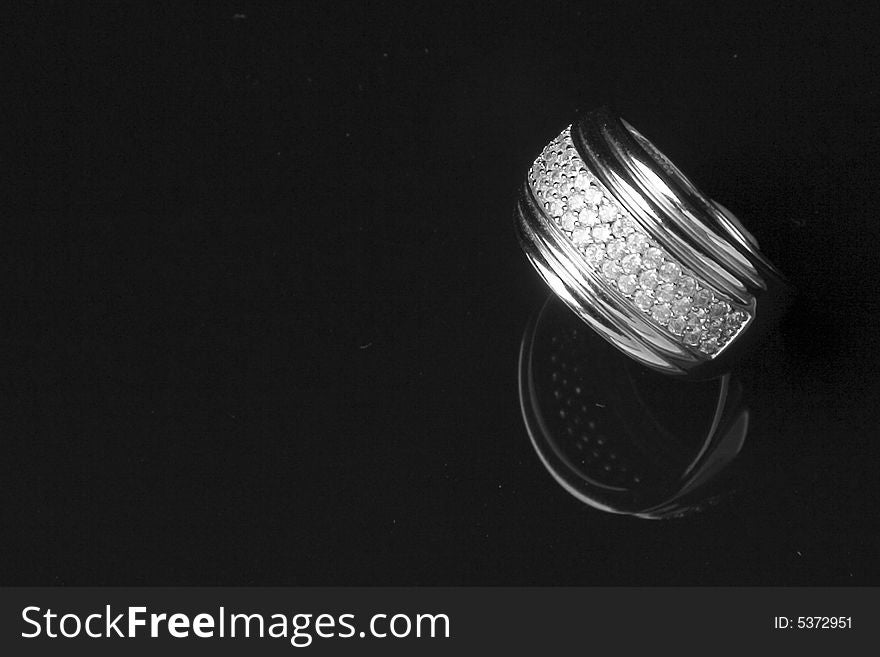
[{"x": 626, "y": 258}]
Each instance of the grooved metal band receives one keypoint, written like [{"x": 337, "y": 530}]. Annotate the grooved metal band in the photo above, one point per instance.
[{"x": 664, "y": 273}]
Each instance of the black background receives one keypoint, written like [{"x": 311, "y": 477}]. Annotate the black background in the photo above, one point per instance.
[{"x": 263, "y": 299}]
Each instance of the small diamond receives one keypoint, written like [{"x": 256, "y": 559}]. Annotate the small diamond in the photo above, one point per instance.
[
  {"x": 719, "y": 309},
  {"x": 670, "y": 271},
  {"x": 702, "y": 297},
  {"x": 653, "y": 258},
  {"x": 558, "y": 176},
  {"x": 555, "y": 208},
  {"x": 643, "y": 300},
  {"x": 694, "y": 322},
  {"x": 665, "y": 293},
  {"x": 594, "y": 254},
  {"x": 567, "y": 221},
  {"x": 686, "y": 285},
  {"x": 587, "y": 216},
  {"x": 616, "y": 248},
  {"x": 735, "y": 318},
  {"x": 611, "y": 269},
  {"x": 681, "y": 306},
  {"x": 580, "y": 236},
  {"x": 661, "y": 313},
  {"x": 631, "y": 263},
  {"x": 692, "y": 336},
  {"x": 627, "y": 283},
  {"x": 593, "y": 195},
  {"x": 582, "y": 181},
  {"x": 648, "y": 279},
  {"x": 601, "y": 232},
  {"x": 637, "y": 242},
  {"x": 576, "y": 202},
  {"x": 608, "y": 212},
  {"x": 621, "y": 228},
  {"x": 676, "y": 325},
  {"x": 709, "y": 346}
]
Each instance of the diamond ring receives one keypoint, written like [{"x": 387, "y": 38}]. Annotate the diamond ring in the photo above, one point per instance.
[{"x": 667, "y": 275}]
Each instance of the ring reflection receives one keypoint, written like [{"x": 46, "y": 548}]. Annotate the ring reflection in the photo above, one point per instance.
[{"x": 618, "y": 436}]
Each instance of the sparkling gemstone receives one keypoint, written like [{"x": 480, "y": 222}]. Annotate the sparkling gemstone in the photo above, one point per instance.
[
  {"x": 681, "y": 306},
  {"x": 670, "y": 272},
  {"x": 558, "y": 176},
  {"x": 735, "y": 318},
  {"x": 567, "y": 220},
  {"x": 576, "y": 202},
  {"x": 676, "y": 325},
  {"x": 580, "y": 236},
  {"x": 627, "y": 283},
  {"x": 712, "y": 332},
  {"x": 719, "y": 309},
  {"x": 709, "y": 345},
  {"x": 702, "y": 297},
  {"x": 607, "y": 212},
  {"x": 686, "y": 285},
  {"x": 643, "y": 300},
  {"x": 692, "y": 336},
  {"x": 621, "y": 228},
  {"x": 593, "y": 195},
  {"x": 694, "y": 322},
  {"x": 616, "y": 248},
  {"x": 665, "y": 293},
  {"x": 631, "y": 263},
  {"x": 601, "y": 232},
  {"x": 653, "y": 257},
  {"x": 637, "y": 242},
  {"x": 556, "y": 207},
  {"x": 588, "y": 216},
  {"x": 648, "y": 279},
  {"x": 582, "y": 180},
  {"x": 611, "y": 269},
  {"x": 661, "y": 313},
  {"x": 594, "y": 254}
]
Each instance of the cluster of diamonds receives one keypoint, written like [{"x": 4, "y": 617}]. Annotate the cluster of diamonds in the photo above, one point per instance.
[{"x": 626, "y": 257}]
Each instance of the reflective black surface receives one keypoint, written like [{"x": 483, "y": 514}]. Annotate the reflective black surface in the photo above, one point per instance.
[
  {"x": 618, "y": 436},
  {"x": 263, "y": 304}
]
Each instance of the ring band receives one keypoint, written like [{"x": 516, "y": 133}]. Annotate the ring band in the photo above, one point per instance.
[{"x": 664, "y": 273}]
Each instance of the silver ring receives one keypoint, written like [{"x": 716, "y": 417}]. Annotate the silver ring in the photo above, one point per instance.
[{"x": 665, "y": 274}]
